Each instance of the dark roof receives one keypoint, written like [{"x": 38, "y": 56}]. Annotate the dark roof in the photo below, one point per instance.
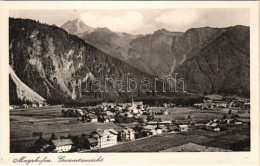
[{"x": 92, "y": 140}]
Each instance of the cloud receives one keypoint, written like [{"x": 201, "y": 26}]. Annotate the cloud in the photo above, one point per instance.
[
  {"x": 178, "y": 18},
  {"x": 124, "y": 22}
]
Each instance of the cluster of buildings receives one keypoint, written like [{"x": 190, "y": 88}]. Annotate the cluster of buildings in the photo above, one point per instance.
[
  {"x": 110, "y": 112},
  {"x": 96, "y": 139},
  {"x": 159, "y": 129},
  {"x": 130, "y": 112},
  {"x": 33, "y": 105},
  {"x": 110, "y": 137},
  {"x": 217, "y": 101},
  {"x": 214, "y": 125}
]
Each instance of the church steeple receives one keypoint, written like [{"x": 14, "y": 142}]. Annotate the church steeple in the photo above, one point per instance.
[{"x": 133, "y": 104}]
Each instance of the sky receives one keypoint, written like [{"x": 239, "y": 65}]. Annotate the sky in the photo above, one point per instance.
[{"x": 142, "y": 21}]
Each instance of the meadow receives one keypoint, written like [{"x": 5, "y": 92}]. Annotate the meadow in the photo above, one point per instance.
[
  {"x": 23, "y": 122},
  {"x": 48, "y": 120}
]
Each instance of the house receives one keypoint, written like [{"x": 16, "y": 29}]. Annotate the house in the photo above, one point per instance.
[
  {"x": 92, "y": 143},
  {"x": 150, "y": 130},
  {"x": 216, "y": 120},
  {"x": 111, "y": 119},
  {"x": 25, "y": 106},
  {"x": 165, "y": 122},
  {"x": 247, "y": 105},
  {"x": 162, "y": 123},
  {"x": 153, "y": 132},
  {"x": 213, "y": 126},
  {"x": 197, "y": 105},
  {"x": 222, "y": 105},
  {"x": 106, "y": 120},
  {"x": 166, "y": 112},
  {"x": 118, "y": 108},
  {"x": 159, "y": 130},
  {"x": 93, "y": 118},
  {"x": 103, "y": 118},
  {"x": 45, "y": 147},
  {"x": 109, "y": 113},
  {"x": 127, "y": 134},
  {"x": 40, "y": 105},
  {"x": 207, "y": 106},
  {"x": 230, "y": 121},
  {"x": 184, "y": 128},
  {"x": 238, "y": 122},
  {"x": 140, "y": 107},
  {"x": 105, "y": 138},
  {"x": 62, "y": 145},
  {"x": 34, "y": 105},
  {"x": 79, "y": 112},
  {"x": 129, "y": 115},
  {"x": 133, "y": 108}
]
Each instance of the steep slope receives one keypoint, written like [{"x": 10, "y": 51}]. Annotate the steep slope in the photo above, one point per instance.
[
  {"x": 22, "y": 91},
  {"x": 77, "y": 27},
  {"x": 115, "y": 44},
  {"x": 154, "y": 51},
  {"x": 53, "y": 63},
  {"x": 221, "y": 66},
  {"x": 144, "y": 52}
]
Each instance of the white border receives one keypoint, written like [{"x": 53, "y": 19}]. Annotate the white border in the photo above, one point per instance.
[{"x": 231, "y": 158}]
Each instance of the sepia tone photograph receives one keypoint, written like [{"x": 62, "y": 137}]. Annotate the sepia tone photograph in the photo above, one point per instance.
[{"x": 129, "y": 81}]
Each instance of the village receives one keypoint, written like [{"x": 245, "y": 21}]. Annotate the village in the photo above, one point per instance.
[{"x": 136, "y": 121}]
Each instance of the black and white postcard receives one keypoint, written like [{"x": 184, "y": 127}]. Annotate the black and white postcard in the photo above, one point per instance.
[{"x": 130, "y": 82}]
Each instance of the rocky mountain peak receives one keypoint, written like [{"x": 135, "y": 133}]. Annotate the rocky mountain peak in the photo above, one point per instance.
[{"x": 77, "y": 27}]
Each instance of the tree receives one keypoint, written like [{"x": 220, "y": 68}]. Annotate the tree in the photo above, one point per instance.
[
  {"x": 150, "y": 117},
  {"x": 38, "y": 144},
  {"x": 229, "y": 112},
  {"x": 70, "y": 136},
  {"x": 141, "y": 120},
  {"x": 224, "y": 117},
  {"x": 53, "y": 136},
  {"x": 35, "y": 133}
]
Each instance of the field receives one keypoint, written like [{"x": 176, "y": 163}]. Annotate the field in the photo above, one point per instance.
[
  {"x": 185, "y": 114},
  {"x": 222, "y": 140},
  {"x": 48, "y": 120}
]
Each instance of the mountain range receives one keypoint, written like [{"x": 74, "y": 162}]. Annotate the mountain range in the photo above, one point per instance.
[
  {"x": 53, "y": 63},
  {"x": 50, "y": 60},
  {"x": 211, "y": 60}
]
